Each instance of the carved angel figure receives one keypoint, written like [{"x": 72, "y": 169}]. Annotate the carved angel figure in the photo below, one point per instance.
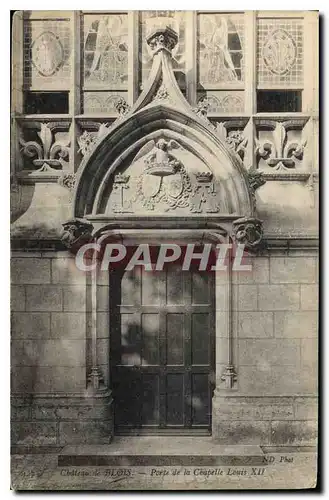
[{"x": 157, "y": 155}]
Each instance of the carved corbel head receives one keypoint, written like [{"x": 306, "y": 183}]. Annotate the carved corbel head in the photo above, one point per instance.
[
  {"x": 248, "y": 231},
  {"x": 76, "y": 232}
]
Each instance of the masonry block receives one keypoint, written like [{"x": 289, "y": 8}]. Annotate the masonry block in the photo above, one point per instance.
[
  {"x": 30, "y": 325},
  {"x": 258, "y": 274},
  {"x": 295, "y": 380},
  {"x": 76, "y": 299},
  {"x": 30, "y": 270},
  {"x": 54, "y": 352},
  {"x": 306, "y": 408},
  {"x": 255, "y": 324},
  {"x": 292, "y": 269},
  {"x": 66, "y": 271},
  {"x": 68, "y": 325},
  {"x": 88, "y": 432},
  {"x": 278, "y": 297},
  {"x": 302, "y": 433},
  {"x": 255, "y": 380},
  {"x": 299, "y": 324},
  {"x": 259, "y": 352},
  {"x": 247, "y": 298},
  {"x": 44, "y": 298},
  {"x": 241, "y": 432},
  {"x": 17, "y": 298},
  {"x": 36, "y": 433},
  {"x": 309, "y": 297},
  {"x": 103, "y": 298}
]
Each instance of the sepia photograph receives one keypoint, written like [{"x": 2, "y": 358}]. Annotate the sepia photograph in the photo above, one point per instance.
[{"x": 164, "y": 250}]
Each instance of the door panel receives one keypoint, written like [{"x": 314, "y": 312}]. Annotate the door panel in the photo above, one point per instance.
[{"x": 162, "y": 349}]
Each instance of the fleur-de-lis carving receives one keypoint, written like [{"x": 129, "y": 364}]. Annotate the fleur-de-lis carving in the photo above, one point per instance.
[
  {"x": 49, "y": 153},
  {"x": 280, "y": 153}
]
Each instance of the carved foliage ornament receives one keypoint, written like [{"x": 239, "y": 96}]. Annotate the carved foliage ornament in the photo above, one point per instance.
[
  {"x": 76, "y": 232},
  {"x": 279, "y": 52},
  {"x": 88, "y": 140},
  {"x": 248, "y": 231},
  {"x": 280, "y": 154},
  {"x": 235, "y": 139},
  {"x": 47, "y": 53},
  {"x": 50, "y": 153}
]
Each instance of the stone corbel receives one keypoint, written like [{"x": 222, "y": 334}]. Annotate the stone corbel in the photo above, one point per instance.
[
  {"x": 248, "y": 231},
  {"x": 76, "y": 232}
]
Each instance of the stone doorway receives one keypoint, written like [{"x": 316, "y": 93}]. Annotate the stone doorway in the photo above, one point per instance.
[{"x": 162, "y": 350}]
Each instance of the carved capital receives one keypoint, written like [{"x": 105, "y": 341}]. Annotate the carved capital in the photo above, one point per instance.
[
  {"x": 229, "y": 376},
  {"x": 95, "y": 378},
  {"x": 162, "y": 39},
  {"x": 76, "y": 232},
  {"x": 248, "y": 231}
]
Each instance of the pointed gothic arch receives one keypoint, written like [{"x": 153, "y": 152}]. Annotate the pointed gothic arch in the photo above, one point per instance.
[{"x": 218, "y": 183}]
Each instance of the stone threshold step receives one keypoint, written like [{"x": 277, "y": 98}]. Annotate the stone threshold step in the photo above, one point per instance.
[
  {"x": 160, "y": 451},
  {"x": 162, "y": 445}
]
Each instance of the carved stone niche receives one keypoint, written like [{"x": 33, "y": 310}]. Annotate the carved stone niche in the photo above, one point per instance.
[
  {"x": 44, "y": 147},
  {"x": 280, "y": 146}
]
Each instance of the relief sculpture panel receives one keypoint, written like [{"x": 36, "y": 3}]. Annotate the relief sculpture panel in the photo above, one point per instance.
[{"x": 160, "y": 180}]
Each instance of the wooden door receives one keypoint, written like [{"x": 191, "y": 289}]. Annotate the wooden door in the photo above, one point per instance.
[{"x": 162, "y": 350}]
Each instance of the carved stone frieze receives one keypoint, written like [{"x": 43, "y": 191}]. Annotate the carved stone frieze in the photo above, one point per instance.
[
  {"x": 248, "y": 231},
  {"x": 76, "y": 232}
]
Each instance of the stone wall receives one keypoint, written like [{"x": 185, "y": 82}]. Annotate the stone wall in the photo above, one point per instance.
[
  {"x": 50, "y": 354},
  {"x": 274, "y": 322}
]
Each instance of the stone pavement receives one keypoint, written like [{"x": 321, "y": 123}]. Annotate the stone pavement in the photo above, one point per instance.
[{"x": 163, "y": 463}]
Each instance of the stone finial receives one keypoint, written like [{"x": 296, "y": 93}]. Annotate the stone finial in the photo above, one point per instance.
[
  {"x": 76, "y": 232},
  {"x": 162, "y": 39}
]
